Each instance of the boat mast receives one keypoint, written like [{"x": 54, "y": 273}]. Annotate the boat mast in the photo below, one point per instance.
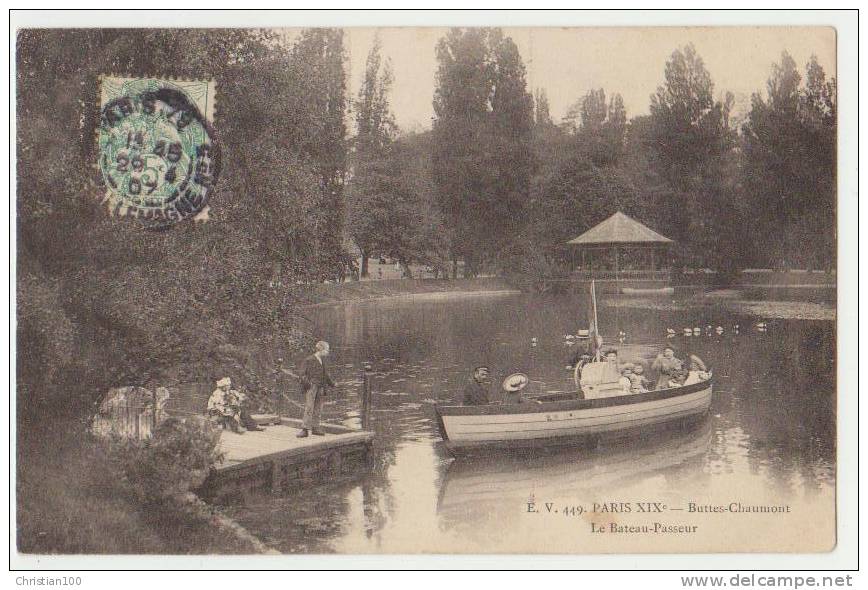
[{"x": 593, "y": 331}]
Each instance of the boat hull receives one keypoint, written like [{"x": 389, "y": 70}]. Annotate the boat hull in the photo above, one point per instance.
[{"x": 465, "y": 428}]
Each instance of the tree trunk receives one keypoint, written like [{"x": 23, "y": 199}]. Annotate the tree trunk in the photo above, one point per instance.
[
  {"x": 454, "y": 268},
  {"x": 406, "y": 268},
  {"x": 363, "y": 272}
]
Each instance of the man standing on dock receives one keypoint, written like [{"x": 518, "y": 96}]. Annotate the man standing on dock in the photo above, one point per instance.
[{"x": 314, "y": 380}]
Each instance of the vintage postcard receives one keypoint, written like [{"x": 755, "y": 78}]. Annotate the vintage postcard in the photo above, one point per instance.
[{"x": 406, "y": 290}]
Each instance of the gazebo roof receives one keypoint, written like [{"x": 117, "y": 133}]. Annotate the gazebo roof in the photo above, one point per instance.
[{"x": 620, "y": 229}]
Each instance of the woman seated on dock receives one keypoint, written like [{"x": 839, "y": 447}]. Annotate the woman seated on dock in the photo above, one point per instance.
[
  {"x": 224, "y": 407},
  {"x": 228, "y": 408}
]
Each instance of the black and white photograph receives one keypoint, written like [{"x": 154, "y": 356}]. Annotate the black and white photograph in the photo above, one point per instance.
[{"x": 461, "y": 290}]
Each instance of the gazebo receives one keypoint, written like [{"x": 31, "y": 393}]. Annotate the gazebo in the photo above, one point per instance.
[{"x": 621, "y": 249}]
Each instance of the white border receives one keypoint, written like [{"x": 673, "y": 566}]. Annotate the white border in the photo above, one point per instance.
[{"x": 843, "y": 557}]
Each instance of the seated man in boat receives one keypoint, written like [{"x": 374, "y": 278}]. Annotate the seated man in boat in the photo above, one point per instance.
[
  {"x": 476, "y": 391},
  {"x": 665, "y": 364},
  {"x": 583, "y": 350}
]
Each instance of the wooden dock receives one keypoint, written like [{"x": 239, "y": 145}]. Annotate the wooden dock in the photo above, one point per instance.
[{"x": 276, "y": 459}]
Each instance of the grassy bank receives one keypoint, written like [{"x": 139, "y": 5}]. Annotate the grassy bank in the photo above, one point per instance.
[
  {"x": 72, "y": 500},
  {"x": 372, "y": 290}
]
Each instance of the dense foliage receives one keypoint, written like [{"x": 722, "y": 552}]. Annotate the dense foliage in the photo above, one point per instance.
[
  {"x": 172, "y": 462},
  {"x": 103, "y": 302}
]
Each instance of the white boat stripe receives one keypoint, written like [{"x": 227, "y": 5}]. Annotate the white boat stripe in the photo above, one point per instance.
[
  {"x": 551, "y": 430},
  {"x": 448, "y": 419}
]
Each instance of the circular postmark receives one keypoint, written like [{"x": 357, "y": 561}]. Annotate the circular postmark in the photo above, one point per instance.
[{"x": 157, "y": 155}]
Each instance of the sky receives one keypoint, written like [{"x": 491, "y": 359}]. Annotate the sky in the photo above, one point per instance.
[{"x": 568, "y": 62}]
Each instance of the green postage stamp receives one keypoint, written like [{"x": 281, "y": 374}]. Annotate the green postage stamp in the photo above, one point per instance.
[{"x": 158, "y": 155}]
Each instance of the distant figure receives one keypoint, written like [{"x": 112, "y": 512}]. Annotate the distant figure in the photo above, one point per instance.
[
  {"x": 665, "y": 364},
  {"x": 224, "y": 408},
  {"x": 314, "y": 379},
  {"x": 476, "y": 391}
]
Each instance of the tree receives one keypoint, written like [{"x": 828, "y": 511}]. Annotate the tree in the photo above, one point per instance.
[
  {"x": 319, "y": 57},
  {"x": 482, "y": 141},
  {"x": 789, "y": 166},
  {"x": 542, "y": 114},
  {"x": 389, "y": 195},
  {"x": 691, "y": 139},
  {"x": 375, "y": 131},
  {"x": 375, "y": 124}
]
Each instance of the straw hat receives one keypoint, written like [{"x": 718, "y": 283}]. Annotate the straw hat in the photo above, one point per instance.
[{"x": 515, "y": 382}]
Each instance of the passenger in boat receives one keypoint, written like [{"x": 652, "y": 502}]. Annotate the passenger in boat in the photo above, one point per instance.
[
  {"x": 697, "y": 372},
  {"x": 476, "y": 391},
  {"x": 666, "y": 364},
  {"x": 678, "y": 377},
  {"x": 625, "y": 380},
  {"x": 512, "y": 387},
  {"x": 638, "y": 382},
  {"x": 579, "y": 359}
]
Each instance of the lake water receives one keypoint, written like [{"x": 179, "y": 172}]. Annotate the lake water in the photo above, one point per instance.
[{"x": 769, "y": 438}]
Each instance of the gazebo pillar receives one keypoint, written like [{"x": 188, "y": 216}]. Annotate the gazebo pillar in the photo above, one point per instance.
[{"x": 617, "y": 262}]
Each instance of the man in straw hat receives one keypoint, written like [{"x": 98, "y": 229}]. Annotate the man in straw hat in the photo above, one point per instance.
[
  {"x": 314, "y": 379},
  {"x": 512, "y": 387}
]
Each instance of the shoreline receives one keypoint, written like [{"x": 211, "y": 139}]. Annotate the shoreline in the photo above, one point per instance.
[
  {"x": 428, "y": 296},
  {"x": 732, "y": 299},
  {"x": 760, "y": 309},
  {"x": 378, "y": 290}
]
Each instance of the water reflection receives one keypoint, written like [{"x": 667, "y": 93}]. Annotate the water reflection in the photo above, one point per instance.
[
  {"x": 497, "y": 485},
  {"x": 770, "y": 433}
]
